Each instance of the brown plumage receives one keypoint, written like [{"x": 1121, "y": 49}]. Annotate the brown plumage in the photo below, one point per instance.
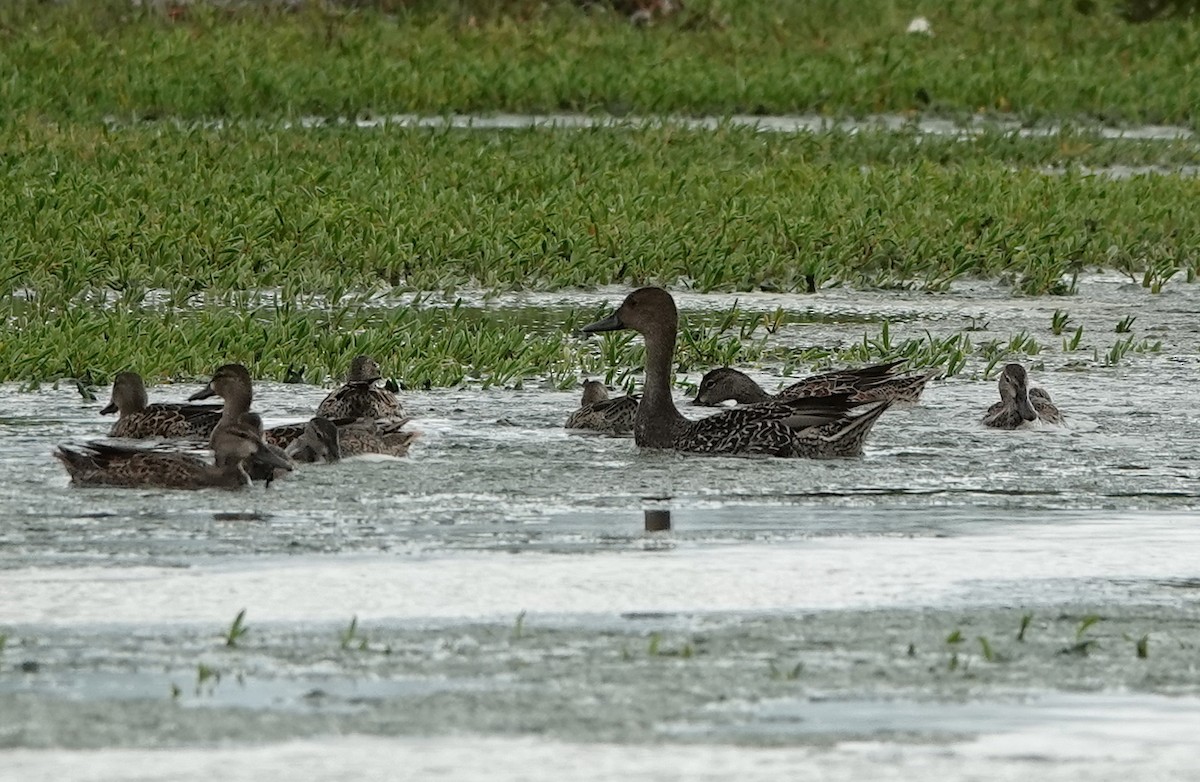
[
  {"x": 360, "y": 397},
  {"x": 816, "y": 427},
  {"x": 140, "y": 419},
  {"x": 108, "y": 464},
  {"x": 874, "y": 383},
  {"x": 384, "y": 436},
  {"x": 599, "y": 413},
  {"x": 1019, "y": 402}
]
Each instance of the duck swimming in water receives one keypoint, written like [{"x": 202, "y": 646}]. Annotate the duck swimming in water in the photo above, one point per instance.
[
  {"x": 599, "y": 413},
  {"x": 238, "y": 450},
  {"x": 140, "y": 419},
  {"x": 874, "y": 383},
  {"x": 1019, "y": 403},
  {"x": 360, "y": 397},
  {"x": 816, "y": 427}
]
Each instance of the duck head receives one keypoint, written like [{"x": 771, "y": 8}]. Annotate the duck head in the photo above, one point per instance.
[
  {"x": 231, "y": 381},
  {"x": 593, "y": 392},
  {"x": 1014, "y": 391},
  {"x": 364, "y": 370},
  {"x": 128, "y": 394},
  {"x": 648, "y": 311},
  {"x": 319, "y": 443},
  {"x": 725, "y": 383}
]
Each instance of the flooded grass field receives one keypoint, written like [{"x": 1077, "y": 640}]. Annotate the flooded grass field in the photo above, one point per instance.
[
  {"x": 455, "y": 188},
  {"x": 960, "y": 601}
]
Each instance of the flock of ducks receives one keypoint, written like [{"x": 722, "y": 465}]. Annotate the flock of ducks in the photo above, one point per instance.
[
  {"x": 358, "y": 418},
  {"x": 823, "y": 416}
]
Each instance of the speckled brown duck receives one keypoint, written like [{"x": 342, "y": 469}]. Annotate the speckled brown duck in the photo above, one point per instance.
[
  {"x": 875, "y": 383},
  {"x": 1020, "y": 403},
  {"x": 815, "y": 427},
  {"x": 237, "y": 448},
  {"x": 140, "y": 419},
  {"x": 600, "y": 413},
  {"x": 384, "y": 436},
  {"x": 360, "y": 397}
]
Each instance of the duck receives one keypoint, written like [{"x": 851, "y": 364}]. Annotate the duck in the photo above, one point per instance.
[
  {"x": 599, "y": 413},
  {"x": 237, "y": 449},
  {"x": 360, "y": 397},
  {"x": 139, "y": 419},
  {"x": 1019, "y": 402},
  {"x": 867, "y": 384},
  {"x": 319, "y": 443},
  {"x": 813, "y": 427},
  {"x": 232, "y": 383}
]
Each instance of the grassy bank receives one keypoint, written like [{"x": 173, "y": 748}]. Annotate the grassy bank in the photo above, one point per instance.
[
  {"x": 84, "y": 60},
  {"x": 332, "y": 211}
]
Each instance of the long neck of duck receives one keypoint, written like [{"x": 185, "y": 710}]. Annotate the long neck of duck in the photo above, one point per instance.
[
  {"x": 236, "y": 402},
  {"x": 657, "y": 415}
]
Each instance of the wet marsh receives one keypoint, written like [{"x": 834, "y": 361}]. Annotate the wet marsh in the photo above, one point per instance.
[{"x": 187, "y": 186}]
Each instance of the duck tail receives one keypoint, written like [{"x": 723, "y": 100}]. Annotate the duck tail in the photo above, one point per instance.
[{"x": 841, "y": 438}]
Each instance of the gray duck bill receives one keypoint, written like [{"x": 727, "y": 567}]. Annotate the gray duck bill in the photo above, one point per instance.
[
  {"x": 203, "y": 393},
  {"x": 611, "y": 323}
]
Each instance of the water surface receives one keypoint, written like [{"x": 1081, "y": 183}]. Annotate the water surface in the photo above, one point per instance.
[{"x": 847, "y": 619}]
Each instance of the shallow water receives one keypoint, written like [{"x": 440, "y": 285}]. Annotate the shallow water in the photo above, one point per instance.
[
  {"x": 842, "y": 618},
  {"x": 793, "y": 123}
]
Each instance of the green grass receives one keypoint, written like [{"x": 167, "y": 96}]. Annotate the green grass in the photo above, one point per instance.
[
  {"x": 334, "y": 211},
  {"x": 84, "y": 59},
  {"x": 170, "y": 247}
]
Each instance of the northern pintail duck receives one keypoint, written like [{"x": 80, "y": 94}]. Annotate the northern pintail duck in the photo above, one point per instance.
[
  {"x": 814, "y": 427},
  {"x": 360, "y": 397},
  {"x": 599, "y": 413},
  {"x": 139, "y": 419},
  {"x": 875, "y": 383},
  {"x": 1019, "y": 402},
  {"x": 237, "y": 449},
  {"x": 356, "y": 436}
]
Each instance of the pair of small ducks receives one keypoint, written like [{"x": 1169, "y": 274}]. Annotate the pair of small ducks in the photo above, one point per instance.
[
  {"x": 357, "y": 418},
  {"x": 827, "y": 415}
]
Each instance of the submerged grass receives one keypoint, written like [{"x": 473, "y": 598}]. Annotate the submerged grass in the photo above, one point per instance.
[
  {"x": 91, "y": 58},
  {"x": 442, "y": 346},
  {"x": 332, "y": 211}
]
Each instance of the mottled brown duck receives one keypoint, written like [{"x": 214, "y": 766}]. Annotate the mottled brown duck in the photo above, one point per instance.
[
  {"x": 816, "y": 427},
  {"x": 1020, "y": 404},
  {"x": 600, "y": 413},
  {"x": 360, "y": 397},
  {"x": 237, "y": 449},
  {"x": 383, "y": 436},
  {"x": 139, "y": 419},
  {"x": 875, "y": 383}
]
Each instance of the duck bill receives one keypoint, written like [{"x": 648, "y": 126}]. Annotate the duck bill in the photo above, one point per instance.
[
  {"x": 203, "y": 393},
  {"x": 1025, "y": 408},
  {"x": 611, "y": 323},
  {"x": 109, "y": 409}
]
